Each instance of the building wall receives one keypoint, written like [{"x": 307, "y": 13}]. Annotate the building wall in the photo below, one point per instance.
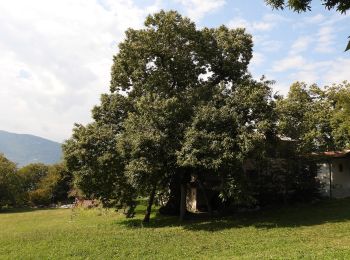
[{"x": 340, "y": 177}]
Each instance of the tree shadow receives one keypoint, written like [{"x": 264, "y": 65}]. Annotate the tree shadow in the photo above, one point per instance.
[
  {"x": 22, "y": 210},
  {"x": 327, "y": 211}
]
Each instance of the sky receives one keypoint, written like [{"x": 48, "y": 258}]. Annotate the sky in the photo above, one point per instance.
[{"x": 56, "y": 55}]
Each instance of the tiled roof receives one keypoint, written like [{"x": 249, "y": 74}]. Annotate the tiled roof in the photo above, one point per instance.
[{"x": 334, "y": 154}]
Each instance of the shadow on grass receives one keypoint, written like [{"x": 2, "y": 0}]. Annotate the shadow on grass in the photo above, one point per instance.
[
  {"x": 22, "y": 210},
  {"x": 293, "y": 216}
]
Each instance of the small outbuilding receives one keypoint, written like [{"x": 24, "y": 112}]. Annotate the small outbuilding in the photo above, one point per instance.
[{"x": 334, "y": 173}]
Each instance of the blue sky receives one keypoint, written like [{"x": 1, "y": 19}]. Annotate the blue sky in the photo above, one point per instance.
[{"x": 56, "y": 54}]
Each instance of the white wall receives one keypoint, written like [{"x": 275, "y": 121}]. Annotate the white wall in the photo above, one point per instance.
[{"x": 340, "y": 179}]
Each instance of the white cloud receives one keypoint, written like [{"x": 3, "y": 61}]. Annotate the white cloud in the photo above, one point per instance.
[
  {"x": 250, "y": 26},
  {"x": 324, "y": 72},
  {"x": 316, "y": 19},
  {"x": 56, "y": 58},
  {"x": 239, "y": 22},
  {"x": 338, "y": 71},
  {"x": 301, "y": 44},
  {"x": 258, "y": 59},
  {"x": 267, "y": 23},
  {"x": 291, "y": 62},
  {"x": 271, "y": 45},
  {"x": 311, "y": 20},
  {"x": 196, "y": 9},
  {"x": 325, "y": 39}
]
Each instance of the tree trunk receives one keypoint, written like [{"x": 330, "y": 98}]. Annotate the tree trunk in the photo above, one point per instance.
[
  {"x": 183, "y": 202},
  {"x": 149, "y": 206},
  {"x": 210, "y": 209},
  {"x": 330, "y": 179},
  {"x": 172, "y": 207}
]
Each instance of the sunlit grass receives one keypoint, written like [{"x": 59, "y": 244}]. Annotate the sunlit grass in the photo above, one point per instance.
[{"x": 308, "y": 231}]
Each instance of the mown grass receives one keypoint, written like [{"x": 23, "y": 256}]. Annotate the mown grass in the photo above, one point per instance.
[{"x": 319, "y": 231}]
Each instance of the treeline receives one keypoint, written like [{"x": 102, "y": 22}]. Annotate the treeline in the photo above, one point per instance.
[{"x": 36, "y": 184}]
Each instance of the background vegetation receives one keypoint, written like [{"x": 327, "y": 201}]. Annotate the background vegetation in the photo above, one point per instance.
[{"x": 36, "y": 184}]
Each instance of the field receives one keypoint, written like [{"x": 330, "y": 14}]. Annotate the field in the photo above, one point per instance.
[{"x": 318, "y": 231}]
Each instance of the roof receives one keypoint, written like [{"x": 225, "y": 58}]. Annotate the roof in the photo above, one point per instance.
[{"x": 333, "y": 154}]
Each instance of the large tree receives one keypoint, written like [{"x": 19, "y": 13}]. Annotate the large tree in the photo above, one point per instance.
[{"x": 164, "y": 79}]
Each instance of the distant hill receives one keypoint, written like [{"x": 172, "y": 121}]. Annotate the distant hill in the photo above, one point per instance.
[{"x": 24, "y": 149}]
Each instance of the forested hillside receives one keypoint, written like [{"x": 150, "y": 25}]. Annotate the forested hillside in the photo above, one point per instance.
[{"x": 24, "y": 149}]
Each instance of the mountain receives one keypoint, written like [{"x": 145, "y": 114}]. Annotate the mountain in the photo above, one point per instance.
[{"x": 24, "y": 149}]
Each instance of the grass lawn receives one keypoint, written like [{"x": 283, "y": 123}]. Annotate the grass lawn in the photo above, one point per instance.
[{"x": 320, "y": 231}]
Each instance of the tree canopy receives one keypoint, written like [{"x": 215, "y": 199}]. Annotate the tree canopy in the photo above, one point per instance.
[
  {"x": 166, "y": 78},
  {"x": 316, "y": 118}
]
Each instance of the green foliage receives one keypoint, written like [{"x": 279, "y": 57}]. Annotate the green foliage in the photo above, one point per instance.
[
  {"x": 316, "y": 119},
  {"x": 182, "y": 102},
  {"x": 339, "y": 98},
  {"x": 45, "y": 184},
  {"x": 304, "y": 116},
  {"x": 10, "y": 194},
  {"x": 160, "y": 76},
  {"x": 53, "y": 187},
  {"x": 34, "y": 184},
  {"x": 348, "y": 46},
  {"x": 305, "y": 5},
  {"x": 235, "y": 125},
  {"x": 149, "y": 141},
  {"x": 91, "y": 154},
  {"x": 31, "y": 175}
]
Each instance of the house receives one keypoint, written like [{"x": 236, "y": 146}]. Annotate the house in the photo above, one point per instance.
[{"x": 334, "y": 173}]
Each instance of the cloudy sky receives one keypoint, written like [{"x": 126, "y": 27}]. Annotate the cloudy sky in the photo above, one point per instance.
[{"x": 55, "y": 55}]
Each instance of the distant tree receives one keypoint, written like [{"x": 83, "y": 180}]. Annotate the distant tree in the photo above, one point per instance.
[
  {"x": 42, "y": 184},
  {"x": 10, "y": 192},
  {"x": 339, "y": 99},
  {"x": 317, "y": 119},
  {"x": 341, "y": 6},
  {"x": 53, "y": 187},
  {"x": 305, "y": 117},
  {"x": 31, "y": 176}
]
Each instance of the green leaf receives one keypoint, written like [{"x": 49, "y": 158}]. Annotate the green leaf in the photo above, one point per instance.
[{"x": 348, "y": 47}]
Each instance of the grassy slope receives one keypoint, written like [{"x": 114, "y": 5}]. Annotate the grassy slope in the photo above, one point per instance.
[{"x": 313, "y": 231}]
